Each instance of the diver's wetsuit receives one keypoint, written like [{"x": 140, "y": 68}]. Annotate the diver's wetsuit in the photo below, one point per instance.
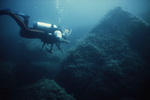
[{"x": 25, "y": 31}]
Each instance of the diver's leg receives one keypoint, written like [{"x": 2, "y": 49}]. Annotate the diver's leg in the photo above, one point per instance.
[
  {"x": 4, "y": 11},
  {"x": 8, "y": 10},
  {"x": 15, "y": 17},
  {"x": 25, "y": 31},
  {"x": 24, "y": 16}
]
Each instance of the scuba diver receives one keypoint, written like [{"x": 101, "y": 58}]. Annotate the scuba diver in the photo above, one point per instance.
[{"x": 48, "y": 33}]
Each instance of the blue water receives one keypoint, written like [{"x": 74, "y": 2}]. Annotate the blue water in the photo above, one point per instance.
[
  {"x": 22, "y": 63},
  {"x": 80, "y": 16}
]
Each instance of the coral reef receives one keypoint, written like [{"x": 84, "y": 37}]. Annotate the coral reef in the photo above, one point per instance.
[
  {"x": 111, "y": 62},
  {"x": 43, "y": 90}
]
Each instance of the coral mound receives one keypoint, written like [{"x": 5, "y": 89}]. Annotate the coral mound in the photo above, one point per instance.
[
  {"x": 111, "y": 62},
  {"x": 43, "y": 90}
]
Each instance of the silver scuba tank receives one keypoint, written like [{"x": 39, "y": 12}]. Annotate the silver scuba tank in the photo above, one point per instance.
[{"x": 43, "y": 26}]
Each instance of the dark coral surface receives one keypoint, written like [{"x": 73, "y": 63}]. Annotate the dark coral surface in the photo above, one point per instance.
[{"x": 111, "y": 62}]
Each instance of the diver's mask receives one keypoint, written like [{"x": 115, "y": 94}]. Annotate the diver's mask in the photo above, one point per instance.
[{"x": 66, "y": 33}]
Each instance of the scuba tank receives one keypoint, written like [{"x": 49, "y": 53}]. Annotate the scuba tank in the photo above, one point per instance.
[{"x": 44, "y": 26}]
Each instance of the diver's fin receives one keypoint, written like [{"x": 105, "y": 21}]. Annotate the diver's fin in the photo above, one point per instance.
[
  {"x": 42, "y": 46},
  {"x": 22, "y": 15}
]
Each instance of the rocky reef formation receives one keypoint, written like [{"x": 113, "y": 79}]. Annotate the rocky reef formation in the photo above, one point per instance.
[
  {"x": 111, "y": 62},
  {"x": 7, "y": 79},
  {"x": 43, "y": 90}
]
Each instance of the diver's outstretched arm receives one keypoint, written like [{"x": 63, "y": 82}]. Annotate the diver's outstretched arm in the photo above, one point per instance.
[{"x": 63, "y": 40}]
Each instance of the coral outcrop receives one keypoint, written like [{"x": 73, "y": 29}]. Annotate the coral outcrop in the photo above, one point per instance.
[
  {"x": 111, "y": 62},
  {"x": 43, "y": 90}
]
